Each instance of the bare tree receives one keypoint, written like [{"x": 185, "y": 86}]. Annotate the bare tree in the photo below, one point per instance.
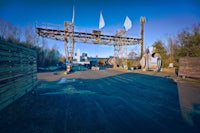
[
  {"x": 30, "y": 36},
  {"x": 2, "y": 29},
  {"x": 170, "y": 48},
  {"x": 9, "y": 32},
  {"x": 132, "y": 54}
]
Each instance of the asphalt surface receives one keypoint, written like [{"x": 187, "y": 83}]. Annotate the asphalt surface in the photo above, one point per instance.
[{"x": 104, "y": 101}]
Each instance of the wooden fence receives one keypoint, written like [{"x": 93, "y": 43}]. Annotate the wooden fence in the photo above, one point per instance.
[
  {"x": 189, "y": 67},
  {"x": 18, "y": 72}
]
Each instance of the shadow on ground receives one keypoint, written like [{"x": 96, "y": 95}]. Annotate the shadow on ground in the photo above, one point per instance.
[{"x": 119, "y": 103}]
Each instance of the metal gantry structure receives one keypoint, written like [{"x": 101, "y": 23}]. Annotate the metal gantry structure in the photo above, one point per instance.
[{"x": 67, "y": 34}]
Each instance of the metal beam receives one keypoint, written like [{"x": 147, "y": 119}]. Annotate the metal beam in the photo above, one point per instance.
[
  {"x": 70, "y": 36},
  {"x": 60, "y": 34}
]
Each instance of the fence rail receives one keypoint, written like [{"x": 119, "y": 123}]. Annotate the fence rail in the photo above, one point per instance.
[
  {"x": 189, "y": 67},
  {"x": 18, "y": 72}
]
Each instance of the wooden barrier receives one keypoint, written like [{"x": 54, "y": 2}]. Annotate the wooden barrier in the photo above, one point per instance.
[
  {"x": 189, "y": 67},
  {"x": 18, "y": 72}
]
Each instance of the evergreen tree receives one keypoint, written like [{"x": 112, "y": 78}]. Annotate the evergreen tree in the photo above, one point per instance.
[{"x": 161, "y": 49}]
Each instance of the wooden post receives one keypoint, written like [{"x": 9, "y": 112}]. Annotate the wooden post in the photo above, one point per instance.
[{"x": 142, "y": 20}]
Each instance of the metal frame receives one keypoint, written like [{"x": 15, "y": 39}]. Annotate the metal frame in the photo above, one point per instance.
[{"x": 69, "y": 36}]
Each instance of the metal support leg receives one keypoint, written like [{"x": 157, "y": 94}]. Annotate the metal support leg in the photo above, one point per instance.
[{"x": 116, "y": 55}]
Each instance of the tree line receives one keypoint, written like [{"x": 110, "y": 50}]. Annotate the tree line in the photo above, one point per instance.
[
  {"x": 185, "y": 44},
  {"x": 27, "y": 37}
]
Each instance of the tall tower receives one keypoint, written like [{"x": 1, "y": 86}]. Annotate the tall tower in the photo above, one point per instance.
[
  {"x": 69, "y": 40},
  {"x": 142, "y": 21},
  {"x": 118, "y": 49}
]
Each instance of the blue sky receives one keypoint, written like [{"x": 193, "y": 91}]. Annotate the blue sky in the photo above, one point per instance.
[{"x": 164, "y": 17}]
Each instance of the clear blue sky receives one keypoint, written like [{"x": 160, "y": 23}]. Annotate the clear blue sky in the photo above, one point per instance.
[{"x": 164, "y": 17}]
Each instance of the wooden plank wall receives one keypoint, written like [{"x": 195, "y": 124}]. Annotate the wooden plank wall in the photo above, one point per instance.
[
  {"x": 18, "y": 72},
  {"x": 189, "y": 67}
]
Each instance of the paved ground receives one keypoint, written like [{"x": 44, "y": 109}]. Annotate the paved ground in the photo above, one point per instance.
[{"x": 99, "y": 102}]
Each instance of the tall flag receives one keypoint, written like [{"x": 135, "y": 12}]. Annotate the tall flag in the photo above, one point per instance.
[
  {"x": 73, "y": 15},
  {"x": 127, "y": 23},
  {"x": 101, "y": 21}
]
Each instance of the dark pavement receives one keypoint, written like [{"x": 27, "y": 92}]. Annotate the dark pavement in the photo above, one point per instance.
[{"x": 103, "y": 101}]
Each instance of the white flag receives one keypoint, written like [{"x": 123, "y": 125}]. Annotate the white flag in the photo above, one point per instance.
[
  {"x": 73, "y": 15},
  {"x": 127, "y": 23},
  {"x": 101, "y": 21}
]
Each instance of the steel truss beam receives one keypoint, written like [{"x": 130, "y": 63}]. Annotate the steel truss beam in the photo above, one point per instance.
[{"x": 67, "y": 34}]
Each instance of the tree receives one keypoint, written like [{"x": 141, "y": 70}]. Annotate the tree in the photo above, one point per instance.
[
  {"x": 172, "y": 50},
  {"x": 132, "y": 54},
  {"x": 30, "y": 36},
  {"x": 62, "y": 59},
  {"x": 189, "y": 43},
  {"x": 2, "y": 29},
  {"x": 186, "y": 43},
  {"x": 161, "y": 49},
  {"x": 9, "y": 32},
  {"x": 130, "y": 62}
]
